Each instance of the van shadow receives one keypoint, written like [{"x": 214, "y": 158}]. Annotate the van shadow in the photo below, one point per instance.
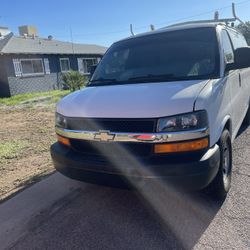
[
  {"x": 186, "y": 214},
  {"x": 153, "y": 217},
  {"x": 171, "y": 218},
  {"x": 98, "y": 217},
  {"x": 242, "y": 129}
]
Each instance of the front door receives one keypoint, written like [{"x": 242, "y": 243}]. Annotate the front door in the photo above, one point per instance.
[{"x": 234, "y": 80}]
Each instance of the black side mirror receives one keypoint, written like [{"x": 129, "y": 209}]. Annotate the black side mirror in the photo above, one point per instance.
[
  {"x": 242, "y": 58},
  {"x": 92, "y": 69}
]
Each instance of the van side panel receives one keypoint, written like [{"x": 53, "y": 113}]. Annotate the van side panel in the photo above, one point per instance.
[
  {"x": 225, "y": 99},
  {"x": 216, "y": 99}
]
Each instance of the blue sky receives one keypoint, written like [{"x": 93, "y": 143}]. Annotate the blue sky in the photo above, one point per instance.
[{"x": 103, "y": 22}]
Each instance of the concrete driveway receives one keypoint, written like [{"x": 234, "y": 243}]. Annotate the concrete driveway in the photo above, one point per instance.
[{"x": 58, "y": 213}]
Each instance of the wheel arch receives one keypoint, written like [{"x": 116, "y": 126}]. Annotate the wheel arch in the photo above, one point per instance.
[{"x": 226, "y": 124}]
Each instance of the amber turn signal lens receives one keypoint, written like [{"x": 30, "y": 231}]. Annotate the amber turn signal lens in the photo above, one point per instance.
[
  {"x": 63, "y": 140},
  {"x": 181, "y": 146}
]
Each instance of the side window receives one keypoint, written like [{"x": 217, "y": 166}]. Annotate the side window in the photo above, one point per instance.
[
  {"x": 227, "y": 47},
  {"x": 87, "y": 63},
  {"x": 84, "y": 64},
  {"x": 238, "y": 40},
  {"x": 65, "y": 65}
]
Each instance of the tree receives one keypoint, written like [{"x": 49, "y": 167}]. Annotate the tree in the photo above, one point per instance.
[
  {"x": 74, "y": 80},
  {"x": 245, "y": 30}
]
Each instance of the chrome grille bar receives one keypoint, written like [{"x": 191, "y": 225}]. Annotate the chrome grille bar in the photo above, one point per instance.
[{"x": 105, "y": 135}]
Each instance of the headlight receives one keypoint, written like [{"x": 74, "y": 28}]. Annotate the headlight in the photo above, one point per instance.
[
  {"x": 190, "y": 121},
  {"x": 61, "y": 121}
]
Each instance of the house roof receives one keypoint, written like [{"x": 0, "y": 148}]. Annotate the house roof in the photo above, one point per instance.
[{"x": 12, "y": 44}]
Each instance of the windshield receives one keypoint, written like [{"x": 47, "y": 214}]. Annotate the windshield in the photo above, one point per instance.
[{"x": 177, "y": 55}]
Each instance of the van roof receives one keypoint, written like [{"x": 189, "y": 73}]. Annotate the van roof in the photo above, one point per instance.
[{"x": 181, "y": 26}]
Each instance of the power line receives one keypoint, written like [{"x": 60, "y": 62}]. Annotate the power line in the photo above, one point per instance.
[
  {"x": 162, "y": 23},
  {"x": 201, "y": 14},
  {"x": 72, "y": 42}
]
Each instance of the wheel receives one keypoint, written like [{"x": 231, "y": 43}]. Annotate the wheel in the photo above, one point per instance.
[
  {"x": 220, "y": 186},
  {"x": 247, "y": 117}
]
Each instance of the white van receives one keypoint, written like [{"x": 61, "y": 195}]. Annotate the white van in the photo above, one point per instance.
[{"x": 164, "y": 105}]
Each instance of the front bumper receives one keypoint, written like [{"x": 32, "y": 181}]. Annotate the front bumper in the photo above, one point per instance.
[{"x": 185, "y": 172}]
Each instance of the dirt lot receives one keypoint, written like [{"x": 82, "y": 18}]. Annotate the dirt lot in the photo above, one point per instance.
[{"x": 26, "y": 133}]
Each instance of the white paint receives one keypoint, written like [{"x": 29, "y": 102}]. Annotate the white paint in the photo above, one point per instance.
[{"x": 132, "y": 100}]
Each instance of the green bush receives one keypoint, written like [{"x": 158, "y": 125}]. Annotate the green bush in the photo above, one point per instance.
[
  {"x": 73, "y": 80},
  {"x": 245, "y": 30}
]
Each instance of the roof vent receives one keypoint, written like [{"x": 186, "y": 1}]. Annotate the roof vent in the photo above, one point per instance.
[{"x": 50, "y": 37}]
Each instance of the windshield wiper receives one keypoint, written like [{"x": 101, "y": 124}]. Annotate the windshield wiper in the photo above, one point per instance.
[
  {"x": 101, "y": 79},
  {"x": 153, "y": 77},
  {"x": 146, "y": 78}
]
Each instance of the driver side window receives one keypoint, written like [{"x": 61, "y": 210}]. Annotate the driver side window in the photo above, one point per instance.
[{"x": 227, "y": 48}]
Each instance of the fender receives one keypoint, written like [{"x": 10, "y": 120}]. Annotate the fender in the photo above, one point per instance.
[{"x": 226, "y": 119}]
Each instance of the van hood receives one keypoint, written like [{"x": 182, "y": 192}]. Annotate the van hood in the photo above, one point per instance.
[{"x": 143, "y": 100}]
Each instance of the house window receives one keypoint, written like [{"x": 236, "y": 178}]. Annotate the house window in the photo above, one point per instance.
[
  {"x": 32, "y": 66},
  {"x": 84, "y": 64},
  {"x": 65, "y": 65}
]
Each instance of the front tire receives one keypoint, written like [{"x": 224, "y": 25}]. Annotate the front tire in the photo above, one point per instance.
[{"x": 220, "y": 186}]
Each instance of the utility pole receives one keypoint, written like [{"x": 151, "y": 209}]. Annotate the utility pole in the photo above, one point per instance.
[{"x": 72, "y": 43}]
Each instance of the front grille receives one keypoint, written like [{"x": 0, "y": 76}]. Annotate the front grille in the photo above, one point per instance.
[
  {"x": 122, "y": 150},
  {"x": 113, "y": 125},
  {"x": 106, "y": 149}
]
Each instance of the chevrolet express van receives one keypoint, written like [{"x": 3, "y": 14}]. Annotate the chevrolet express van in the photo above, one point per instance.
[{"x": 164, "y": 105}]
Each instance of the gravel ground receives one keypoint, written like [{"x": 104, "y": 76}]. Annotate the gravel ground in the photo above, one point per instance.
[{"x": 94, "y": 217}]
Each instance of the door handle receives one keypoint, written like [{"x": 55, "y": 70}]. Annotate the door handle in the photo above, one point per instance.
[{"x": 239, "y": 80}]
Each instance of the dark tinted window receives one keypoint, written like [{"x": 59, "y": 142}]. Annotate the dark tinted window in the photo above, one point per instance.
[{"x": 177, "y": 55}]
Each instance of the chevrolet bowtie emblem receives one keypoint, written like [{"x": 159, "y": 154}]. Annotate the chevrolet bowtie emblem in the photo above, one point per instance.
[{"x": 104, "y": 136}]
